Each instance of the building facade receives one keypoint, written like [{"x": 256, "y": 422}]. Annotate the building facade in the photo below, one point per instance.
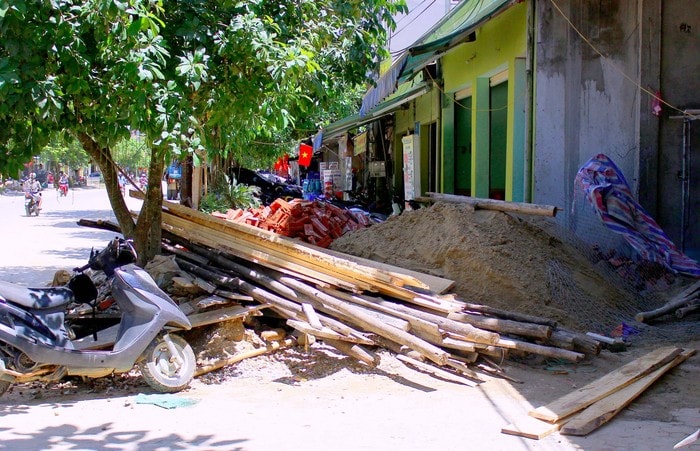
[{"x": 508, "y": 99}]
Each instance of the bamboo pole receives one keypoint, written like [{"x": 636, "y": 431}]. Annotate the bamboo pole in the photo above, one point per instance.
[
  {"x": 437, "y": 371},
  {"x": 499, "y": 205},
  {"x": 287, "y": 308},
  {"x": 504, "y": 326},
  {"x": 546, "y": 351},
  {"x": 464, "y": 331},
  {"x": 272, "y": 346}
]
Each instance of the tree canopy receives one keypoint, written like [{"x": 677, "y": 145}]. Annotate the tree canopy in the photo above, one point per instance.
[{"x": 193, "y": 76}]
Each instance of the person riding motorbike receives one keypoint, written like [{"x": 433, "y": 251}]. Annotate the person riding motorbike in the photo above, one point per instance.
[
  {"x": 32, "y": 187},
  {"x": 63, "y": 184}
]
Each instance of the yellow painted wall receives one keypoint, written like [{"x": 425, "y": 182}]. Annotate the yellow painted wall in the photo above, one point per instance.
[{"x": 498, "y": 43}]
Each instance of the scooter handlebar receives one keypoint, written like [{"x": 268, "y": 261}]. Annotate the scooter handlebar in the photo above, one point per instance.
[
  {"x": 117, "y": 253},
  {"x": 81, "y": 268}
]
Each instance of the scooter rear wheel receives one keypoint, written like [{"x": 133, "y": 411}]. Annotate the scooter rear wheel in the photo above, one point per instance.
[{"x": 165, "y": 372}]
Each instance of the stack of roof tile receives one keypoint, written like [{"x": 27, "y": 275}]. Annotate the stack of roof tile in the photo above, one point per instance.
[{"x": 315, "y": 222}]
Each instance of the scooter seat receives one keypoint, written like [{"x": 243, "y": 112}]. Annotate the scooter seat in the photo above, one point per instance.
[{"x": 35, "y": 298}]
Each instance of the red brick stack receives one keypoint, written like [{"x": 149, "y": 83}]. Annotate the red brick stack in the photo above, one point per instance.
[{"x": 315, "y": 222}]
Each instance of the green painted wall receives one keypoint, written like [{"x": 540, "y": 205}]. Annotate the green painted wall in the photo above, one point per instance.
[
  {"x": 500, "y": 45},
  {"x": 499, "y": 42},
  {"x": 462, "y": 147}
]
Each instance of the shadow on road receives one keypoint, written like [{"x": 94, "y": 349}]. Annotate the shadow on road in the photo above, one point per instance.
[{"x": 98, "y": 437}]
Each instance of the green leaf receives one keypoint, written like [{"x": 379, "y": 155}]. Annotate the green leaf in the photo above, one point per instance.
[{"x": 134, "y": 27}]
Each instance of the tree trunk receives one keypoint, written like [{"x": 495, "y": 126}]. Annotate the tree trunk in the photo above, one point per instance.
[
  {"x": 186, "y": 182},
  {"x": 147, "y": 235},
  {"x": 146, "y": 232},
  {"x": 103, "y": 158}
]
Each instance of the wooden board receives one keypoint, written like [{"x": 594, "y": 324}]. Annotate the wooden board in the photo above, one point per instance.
[
  {"x": 224, "y": 314},
  {"x": 435, "y": 284},
  {"x": 602, "y": 387},
  {"x": 602, "y": 411},
  {"x": 292, "y": 248},
  {"x": 530, "y": 427}
]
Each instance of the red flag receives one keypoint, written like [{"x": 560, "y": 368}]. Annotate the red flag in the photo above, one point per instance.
[{"x": 305, "y": 153}]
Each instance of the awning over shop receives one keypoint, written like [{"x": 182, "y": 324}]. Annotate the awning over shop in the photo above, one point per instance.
[
  {"x": 455, "y": 28},
  {"x": 459, "y": 25},
  {"x": 386, "y": 85},
  {"x": 405, "y": 94}
]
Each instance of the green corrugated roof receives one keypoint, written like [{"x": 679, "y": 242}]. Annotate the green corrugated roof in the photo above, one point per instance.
[
  {"x": 405, "y": 93},
  {"x": 456, "y": 27}
]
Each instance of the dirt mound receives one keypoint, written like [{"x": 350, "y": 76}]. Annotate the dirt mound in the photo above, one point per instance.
[{"x": 494, "y": 258}]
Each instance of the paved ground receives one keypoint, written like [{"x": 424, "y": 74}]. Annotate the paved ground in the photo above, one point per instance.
[{"x": 387, "y": 409}]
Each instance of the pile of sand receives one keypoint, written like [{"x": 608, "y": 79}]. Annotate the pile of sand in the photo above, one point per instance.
[{"x": 494, "y": 258}]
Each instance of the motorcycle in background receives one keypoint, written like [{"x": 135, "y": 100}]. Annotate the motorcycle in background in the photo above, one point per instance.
[
  {"x": 35, "y": 343},
  {"x": 31, "y": 204},
  {"x": 63, "y": 188}
]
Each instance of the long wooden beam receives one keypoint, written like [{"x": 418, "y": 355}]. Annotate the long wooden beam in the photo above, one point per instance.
[
  {"x": 295, "y": 248},
  {"x": 499, "y": 205},
  {"x": 268, "y": 254},
  {"x": 600, "y": 388}
]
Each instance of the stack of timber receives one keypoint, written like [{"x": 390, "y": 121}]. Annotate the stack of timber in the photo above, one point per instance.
[
  {"x": 357, "y": 305},
  {"x": 586, "y": 409}
]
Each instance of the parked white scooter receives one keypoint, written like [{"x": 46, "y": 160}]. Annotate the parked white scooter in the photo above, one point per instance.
[{"x": 34, "y": 343}]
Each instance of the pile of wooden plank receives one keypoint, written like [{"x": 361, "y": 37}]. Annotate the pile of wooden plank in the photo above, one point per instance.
[
  {"x": 584, "y": 410},
  {"x": 315, "y": 222},
  {"x": 356, "y": 304}
]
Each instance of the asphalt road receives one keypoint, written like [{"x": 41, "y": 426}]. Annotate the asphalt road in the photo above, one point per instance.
[
  {"x": 389, "y": 408},
  {"x": 34, "y": 248}
]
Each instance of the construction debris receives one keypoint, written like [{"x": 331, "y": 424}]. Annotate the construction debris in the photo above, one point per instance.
[{"x": 357, "y": 306}]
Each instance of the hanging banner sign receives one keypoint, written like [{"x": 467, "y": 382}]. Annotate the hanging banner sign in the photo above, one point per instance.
[
  {"x": 408, "y": 167},
  {"x": 360, "y": 142}
]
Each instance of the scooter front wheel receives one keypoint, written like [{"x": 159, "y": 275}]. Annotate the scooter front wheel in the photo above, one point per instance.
[{"x": 168, "y": 367}]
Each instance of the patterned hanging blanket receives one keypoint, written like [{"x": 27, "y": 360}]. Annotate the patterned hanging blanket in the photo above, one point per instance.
[{"x": 606, "y": 189}]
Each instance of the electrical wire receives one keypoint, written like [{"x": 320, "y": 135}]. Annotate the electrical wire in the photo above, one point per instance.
[
  {"x": 614, "y": 66},
  {"x": 409, "y": 13},
  {"x": 413, "y": 19},
  {"x": 477, "y": 7}
]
